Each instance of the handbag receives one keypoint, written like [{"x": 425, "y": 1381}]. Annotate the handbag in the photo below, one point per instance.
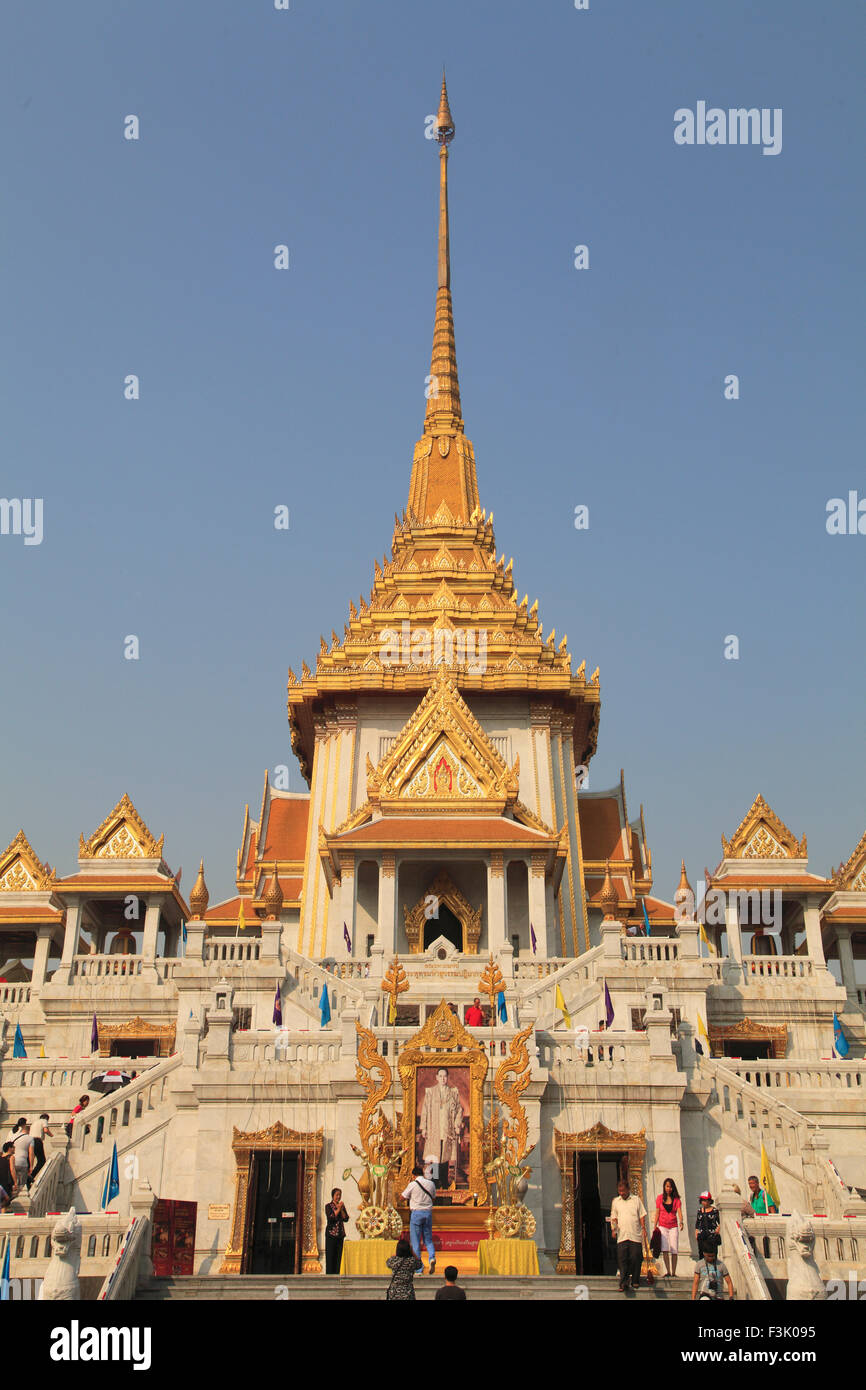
[{"x": 656, "y": 1243}]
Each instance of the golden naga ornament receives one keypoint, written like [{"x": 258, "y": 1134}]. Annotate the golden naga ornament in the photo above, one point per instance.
[
  {"x": 394, "y": 984},
  {"x": 380, "y": 1154}
]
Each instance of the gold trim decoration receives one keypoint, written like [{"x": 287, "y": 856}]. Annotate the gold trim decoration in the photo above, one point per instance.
[
  {"x": 515, "y": 1131},
  {"x": 163, "y": 1034},
  {"x": 446, "y": 891},
  {"x": 394, "y": 984},
  {"x": 851, "y": 875},
  {"x": 444, "y": 1042},
  {"x": 762, "y": 835},
  {"x": 380, "y": 1154},
  {"x": 21, "y": 869},
  {"x": 774, "y": 1033},
  {"x": 276, "y": 1137},
  {"x": 597, "y": 1139},
  {"x": 122, "y": 835}
]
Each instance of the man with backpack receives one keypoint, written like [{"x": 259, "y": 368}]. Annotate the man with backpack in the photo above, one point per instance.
[{"x": 710, "y": 1275}]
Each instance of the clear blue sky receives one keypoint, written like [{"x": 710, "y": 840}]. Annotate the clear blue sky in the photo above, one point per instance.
[{"x": 602, "y": 387}]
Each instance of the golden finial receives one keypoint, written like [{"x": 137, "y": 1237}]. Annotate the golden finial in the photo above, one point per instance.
[
  {"x": 394, "y": 984},
  {"x": 491, "y": 984},
  {"x": 444, "y": 121},
  {"x": 684, "y": 885},
  {"x": 274, "y": 898},
  {"x": 199, "y": 897},
  {"x": 607, "y": 899}
]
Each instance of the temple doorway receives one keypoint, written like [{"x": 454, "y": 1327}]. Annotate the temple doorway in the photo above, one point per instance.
[
  {"x": 447, "y": 925},
  {"x": 273, "y": 1244},
  {"x": 595, "y": 1182},
  {"x": 746, "y": 1051}
]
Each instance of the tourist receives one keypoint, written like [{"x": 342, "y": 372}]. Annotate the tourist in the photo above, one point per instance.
[
  {"x": 669, "y": 1223},
  {"x": 628, "y": 1226},
  {"x": 474, "y": 1017},
  {"x": 83, "y": 1102},
  {"x": 20, "y": 1127},
  {"x": 449, "y": 1291},
  {"x": 22, "y": 1146},
  {"x": 335, "y": 1231},
  {"x": 759, "y": 1201},
  {"x": 404, "y": 1265},
  {"x": 7, "y": 1172},
  {"x": 419, "y": 1194},
  {"x": 710, "y": 1271},
  {"x": 707, "y": 1222},
  {"x": 38, "y": 1130}
]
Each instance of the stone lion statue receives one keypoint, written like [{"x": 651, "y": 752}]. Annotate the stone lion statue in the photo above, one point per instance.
[
  {"x": 61, "y": 1277},
  {"x": 804, "y": 1278}
]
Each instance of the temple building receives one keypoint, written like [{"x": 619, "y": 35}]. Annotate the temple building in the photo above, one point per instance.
[{"x": 286, "y": 1041}]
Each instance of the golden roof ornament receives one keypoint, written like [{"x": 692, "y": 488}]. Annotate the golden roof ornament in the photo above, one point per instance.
[
  {"x": 684, "y": 886},
  {"x": 608, "y": 900},
  {"x": 199, "y": 897},
  {"x": 273, "y": 898}
]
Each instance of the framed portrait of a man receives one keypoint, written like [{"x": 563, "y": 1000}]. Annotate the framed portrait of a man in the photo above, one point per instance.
[{"x": 442, "y": 1107}]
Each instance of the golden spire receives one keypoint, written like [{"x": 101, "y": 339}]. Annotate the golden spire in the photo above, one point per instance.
[
  {"x": 274, "y": 897},
  {"x": 199, "y": 897},
  {"x": 683, "y": 886},
  {"x": 446, "y": 472},
  {"x": 608, "y": 899}
]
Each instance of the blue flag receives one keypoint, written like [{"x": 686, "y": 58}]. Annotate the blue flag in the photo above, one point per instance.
[
  {"x": 839, "y": 1039},
  {"x": 18, "y": 1048},
  {"x": 646, "y": 920},
  {"x": 347, "y": 938},
  {"x": 533, "y": 938},
  {"x": 325, "y": 1006},
  {"x": 4, "y": 1278},
  {"x": 500, "y": 1002},
  {"x": 112, "y": 1180},
  {"x": 608, "y": 1006},
  {"x": 278, "y": 1009},
  {"x": 183, "y": 932},
  {"x": 94, "y": 1036}
]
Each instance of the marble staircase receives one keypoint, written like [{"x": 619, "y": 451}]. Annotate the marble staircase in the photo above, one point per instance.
[{"x": 479, "y": 1289}]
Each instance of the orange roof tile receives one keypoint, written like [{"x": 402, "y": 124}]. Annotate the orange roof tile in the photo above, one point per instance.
[
  {"x": 769, "y": 880},
  {"x": 286, "y": 832},
  {"x": 29, "y": 914},
  {"x": 600, "y": 829},
  {"x": 444, "y": 830}
]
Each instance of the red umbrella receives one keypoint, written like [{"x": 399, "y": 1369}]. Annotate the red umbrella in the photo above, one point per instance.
[{"x": 109, "y": 1080}]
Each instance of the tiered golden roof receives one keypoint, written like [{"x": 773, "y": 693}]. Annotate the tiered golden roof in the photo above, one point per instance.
[{"x": 443, "y": 576}]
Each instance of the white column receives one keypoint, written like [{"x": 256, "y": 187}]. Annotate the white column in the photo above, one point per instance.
[
  {"x": 538, "y": 903},
  {"x": 346, "y": 902},
  {"x": 71, "y": 933},
  {"x": 495, "y": 901},
  {"x": 732, "y": 927},
  {"x": 846, "y": 961},
  {"x": 41, "y": 953},
  {"x": 814, "y": 944},
  {"x": 151, "y": 927},
  {"x": 387, "y": 905}
]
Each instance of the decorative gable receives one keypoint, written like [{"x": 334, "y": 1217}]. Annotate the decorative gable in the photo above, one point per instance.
[
  {"x": 122, "y": 835},
  {"x": 21, "y": 871},
  {"x": 762, "y": 835},
  {"x": 443, "y": 756},
  {"x": 852, "y": 876}
]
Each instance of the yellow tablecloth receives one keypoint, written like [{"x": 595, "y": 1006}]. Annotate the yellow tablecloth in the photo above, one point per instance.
[
  {"x": 507, "y": 1257},
  {"x": 367, "y": 1257}
]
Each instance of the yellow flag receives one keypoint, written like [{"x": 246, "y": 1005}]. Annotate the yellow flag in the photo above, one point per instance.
[
  {"x": 392, "y": 1008},
  {"x": 42, "y": 1050},
  {"x": 702, "y": 1033},
  {"x": 706, "y": 940},
  {"x": 768, "y": 1182},
  {"x": 242, "y": 926},
  {"x": 560, "y": 1004}
]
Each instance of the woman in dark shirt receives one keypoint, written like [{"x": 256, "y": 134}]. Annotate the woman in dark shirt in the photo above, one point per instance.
[
  {"x": 7, "y": 1173},
  {"x": 404, "y": 1266},
  {"x": 335, "y": 1231}
]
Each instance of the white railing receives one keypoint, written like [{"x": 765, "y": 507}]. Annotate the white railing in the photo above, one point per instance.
[
  {"x": 777, "y": 967},
  {"x": 528, "y": 968},
  {"x": 311, "y": 978},
  {"x": 354, "y": 968},
  {"x": 839, "y": 1242},
  {"x": 14, "y": 994},
  {"x": 286, "y": 1047},
  {"x": 861, "y": 998},
  {"x": 759, "y": 1110},
  {"x": 804, "y": 1076},
  {"x": 559, "y": 1050},
  {"x": 103, "y": 1122},
  {"x": 105, "y": 967},
  {"x": 644, "y": 949},
  {"x": 45, "y": 1192},
  {"x": 122, "y": 1282},
  {"x": 30, "y": 1074},
  {"x": 232, "y": 951},
  {"x": 750, "y": 1283},
  {"x": 30, "y": 1241}
]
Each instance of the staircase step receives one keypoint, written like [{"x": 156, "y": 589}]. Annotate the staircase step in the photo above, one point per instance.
[{"x": 480, "y": 1288}]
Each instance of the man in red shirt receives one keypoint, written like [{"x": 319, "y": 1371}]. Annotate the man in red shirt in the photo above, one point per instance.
[{"x": 474, "y": 1016}]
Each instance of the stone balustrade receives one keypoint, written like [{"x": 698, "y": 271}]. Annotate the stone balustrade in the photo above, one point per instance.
[
  {"x": 861, "y": 998},
  {"x": 232, "y": 950},
  {"x": 529, "y": 969},
  {"x": 840, "y": 1244},
  {"x": 44, "y": 1194},
  {"x": 759, "y": 1110},
  {"x": 558, "y": 1050},
  {"x": 115, "y": 1113},
  {"x": 653, "y": 951},
  {"x": 98, "y": 969},
  {"x": 286, "y": 1046},
  {"x": 777, "y": 968},
  {"x": 101, "y": 1238},
  {"x": 13, "y": 996},
  {"x": 31, "y": 1074},
  {"x": 805, "y": 1076}
]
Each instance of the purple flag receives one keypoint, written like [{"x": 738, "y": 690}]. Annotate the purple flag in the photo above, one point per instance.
[
  {"x": 278, "y": 1009},
  {"x": 347, "y": 938},
  {"x": 533, "y": 938},
  {"x": 94, "y": 1036},
  {"x": 608, "y": 1006}
]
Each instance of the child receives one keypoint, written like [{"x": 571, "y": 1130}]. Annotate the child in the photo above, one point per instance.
[
  {"x": 707, "y": 1223},
  {"x": 709, "y": 1274}
]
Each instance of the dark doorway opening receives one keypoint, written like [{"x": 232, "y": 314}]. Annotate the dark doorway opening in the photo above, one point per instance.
[
  {"x": 447, "y": 925},
  {"x": 595, "y": 1180},
  {"x": 274, "y": 1216},
  {"x": 133, "y": 1047},
  {"x": 748, "y": 1051}
]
